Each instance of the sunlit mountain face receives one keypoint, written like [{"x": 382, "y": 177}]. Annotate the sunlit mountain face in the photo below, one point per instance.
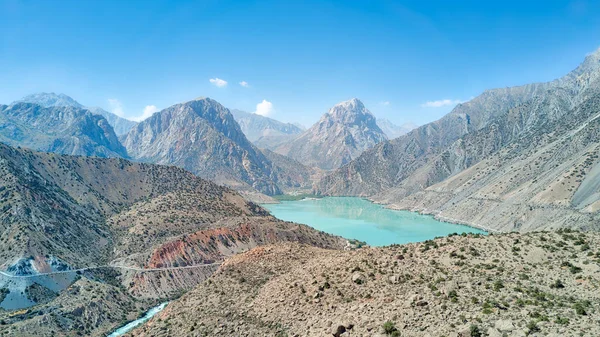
[{"x": 299, "y": 168}]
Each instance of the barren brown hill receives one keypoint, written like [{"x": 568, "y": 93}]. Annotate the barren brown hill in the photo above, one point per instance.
[
  {"x": 139, "y": 232},
  {"x": 537, "y": 284}
]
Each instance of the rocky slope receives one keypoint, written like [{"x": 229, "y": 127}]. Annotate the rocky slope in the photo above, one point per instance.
[
  {"x": 519, "y": 121},
  {"x": 61, "y": 129},
  {"x": 88, "y": 307},
  {"x": 265, "y": 132},
  {"x": 150, "y": 231},
  {"x": 392, "y": 130},
  {"x": 119, "y": 124},
  {"x": 297, "y": 176},
  {"x": 341, "y": 135},
  {"x": 202, "y": 137},
  {"x": 455, "y": 286}
]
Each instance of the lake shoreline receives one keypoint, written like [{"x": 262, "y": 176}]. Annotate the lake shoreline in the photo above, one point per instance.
[
  {"x": 436, "y": 215},
  {"x": 364, "y": 220}
]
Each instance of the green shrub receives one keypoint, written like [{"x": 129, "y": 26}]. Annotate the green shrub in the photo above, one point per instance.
[
  {"x": 580, "y": 309},
  {"x": 475, "y": 331},
  {"x": 532, "y": 327},
  {"x": 558, "y": 284},
  {"x": 453, "y": 296},
  {"x": 389, "y": 328},
  {"x": 561, "y": 320}
]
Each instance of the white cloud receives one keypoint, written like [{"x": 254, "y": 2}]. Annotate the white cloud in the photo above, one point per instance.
[
  {"x": 218, "y": 82},
  {"x": 385, "y": 103},
  {"x": 264, "y": 108},
  {"x": 244, "y": 84},
  {"x": 149, "y": 110},
  {"x": 441, "y": 103},
  {"x": 116, "y": 107}
]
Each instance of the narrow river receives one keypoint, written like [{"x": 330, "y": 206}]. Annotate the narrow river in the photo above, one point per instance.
[{"x": 132, "y": 325}]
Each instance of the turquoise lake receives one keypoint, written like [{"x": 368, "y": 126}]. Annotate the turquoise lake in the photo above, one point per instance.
[{"x": 357, "y": 218}]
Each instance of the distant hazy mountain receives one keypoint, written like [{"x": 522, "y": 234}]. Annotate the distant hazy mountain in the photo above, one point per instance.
[
  {"x": 263, "y": 131},
  {"x": 119, "y": 124},
  {"x": 341, "y": 135},
  {"x": 520, "y": 158},
  {"x": 203, "y": 137},
  {"x": 60, "y": 129},
  {"x": 50, "y": 100},
  {"x": 392, "y": 130}
]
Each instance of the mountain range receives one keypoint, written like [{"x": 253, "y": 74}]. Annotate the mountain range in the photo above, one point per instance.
[
  {"x": 120, "y": 125},
  {"x": 263, "y": 131},
  {"x": 64, "y": 129},
  {"x": 392, "y": 130},
  {"x": 520, "y": 158},
  {"x": 203, "y": 137}
]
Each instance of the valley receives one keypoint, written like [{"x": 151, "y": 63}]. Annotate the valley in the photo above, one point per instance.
[{"x": 284, "y": 205}]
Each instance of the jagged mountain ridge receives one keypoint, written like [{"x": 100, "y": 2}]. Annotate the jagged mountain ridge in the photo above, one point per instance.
[
  {"x": 341, "y": 135},
  {"x": 471, "y": 132},
  {"x": 203, "y": 137},
  {"x": 120, "y": 125},
  {"x": 62, "y": 129},
  {"x": 534, "y": 180},
  {"x": 263, "y": 131}
]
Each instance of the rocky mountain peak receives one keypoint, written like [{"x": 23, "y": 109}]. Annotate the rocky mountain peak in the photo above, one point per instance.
[
  {"x": 202, "y": 136},
  {"x": 61, "y": 129},
  {"x": 218, "y": 116},
  {"x": 591, "y": 62},
  {"x": 50, "y": 99},
  {"x": 349, "y": 112},
  {"x": 341, "y": 135}
]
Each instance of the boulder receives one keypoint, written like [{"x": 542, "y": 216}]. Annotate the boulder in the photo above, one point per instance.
[
  {"x": 339, "y": 330},
  {"x": 504, "y": 325},
  {"x": 359, "y": 278}
]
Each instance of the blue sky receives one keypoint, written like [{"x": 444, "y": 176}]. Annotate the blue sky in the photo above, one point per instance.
[{"x": 301, "y": 57}]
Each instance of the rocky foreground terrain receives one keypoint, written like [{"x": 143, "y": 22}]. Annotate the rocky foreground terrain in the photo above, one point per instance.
[
  {"x": 132, "y": 235},
  {"x": 535, "y": 284}
]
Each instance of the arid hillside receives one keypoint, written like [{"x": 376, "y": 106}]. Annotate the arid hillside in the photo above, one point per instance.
[
  {"x": 521, "y": 158},
  {"x": 536, "y": 284},
  {"x": 80, "y": 234}
]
